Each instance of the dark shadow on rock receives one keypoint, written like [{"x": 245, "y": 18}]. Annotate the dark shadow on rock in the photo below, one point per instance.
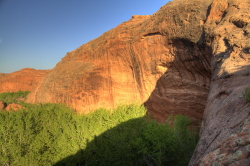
[
  {"x": 183, "y": 88},
  {"x": 224, "y": 119}
]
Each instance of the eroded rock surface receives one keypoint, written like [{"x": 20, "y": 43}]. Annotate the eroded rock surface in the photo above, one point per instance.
[
  {"x": 187, "y": 57},
  {"x": 22, "y": 80},
  {"x": 227, "y": 32},
  {"x": 235, "y": 150},
  {"x": 154, "y": 59}
]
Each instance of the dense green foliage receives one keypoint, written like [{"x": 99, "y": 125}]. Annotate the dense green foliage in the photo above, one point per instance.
[
  {"x": 246, "y": 94},
  {"x": 141, "y": 142},
  {"x": 52, "y": 134},
  {"x": 13, "y": 97}
]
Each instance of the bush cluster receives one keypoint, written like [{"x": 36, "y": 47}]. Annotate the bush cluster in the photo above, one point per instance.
[
  {"x": 13, "y": 97},
  {"x": 52, "y": 134}
]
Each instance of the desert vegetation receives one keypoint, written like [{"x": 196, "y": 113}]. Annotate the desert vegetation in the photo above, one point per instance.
[
  {"x": 13, "y": 97},
  {"x": 52, "y": 134},
  {"x": 246, "y": 94}
]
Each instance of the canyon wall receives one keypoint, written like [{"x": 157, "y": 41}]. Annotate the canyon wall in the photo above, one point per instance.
[
  {"x": 156, "y": 59},
  {"x": 225, "y": 130},
  {"x": 22, "y": 80},
  {"x": 188, "y": 57}
]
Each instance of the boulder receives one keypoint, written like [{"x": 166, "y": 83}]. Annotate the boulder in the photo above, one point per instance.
[
  {"x": 2, "y": 105},
  {"x": 13, "y": 107}
]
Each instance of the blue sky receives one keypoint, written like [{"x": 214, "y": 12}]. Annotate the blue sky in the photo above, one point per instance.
[{"x": 38, "y": 33}]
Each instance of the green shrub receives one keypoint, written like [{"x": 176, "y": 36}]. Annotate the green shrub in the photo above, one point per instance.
[
  {"x": 13, "y": 97},
  {"x": 52, "y": 134},
  {"x": 161, "y": 144},
  {"x": 40, "y": 135},
  {"x": 246, "y": 94},
  {"x": 139, "y": 142}
]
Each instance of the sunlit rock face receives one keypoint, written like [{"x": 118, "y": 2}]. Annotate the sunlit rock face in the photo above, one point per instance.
[
  {"x": 153, "y": 59},
  {"x": 225, "y": 130},
  {"x": 22, "y": 80},
  {"x": 188, "y": 57}
]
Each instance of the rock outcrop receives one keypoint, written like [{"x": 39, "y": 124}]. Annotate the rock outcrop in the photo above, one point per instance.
[
  {"x": 225, "y": 128},
  {"x": 2, "y": 105},
  {"x": 188, "y": 57},
  {"x": 154, "y": 59},
  {"x": 22, "y": 80},
  {"x": 10, "y": 107},
  {"x": 13, "y": 107}
]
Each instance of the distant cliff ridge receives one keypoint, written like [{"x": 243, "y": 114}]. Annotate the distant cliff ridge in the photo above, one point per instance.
[
  {"x": 191, "y": 57},
  {"x": 22, "y": 80}
]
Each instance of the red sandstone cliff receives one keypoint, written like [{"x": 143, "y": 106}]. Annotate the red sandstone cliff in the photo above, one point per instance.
[
  {"x": 124, "y": 64},
  {"x": 188, "y": 57},
  {"x": 22, "y": 80}
]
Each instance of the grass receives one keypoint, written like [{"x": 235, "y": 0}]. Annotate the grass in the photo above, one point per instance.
[
  {"x": 52, "y": 134},
  {"x": 246, "y": 94}
]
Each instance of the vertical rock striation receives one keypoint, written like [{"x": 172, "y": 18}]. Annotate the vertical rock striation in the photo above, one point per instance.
[{"x": 156, "y": 59}]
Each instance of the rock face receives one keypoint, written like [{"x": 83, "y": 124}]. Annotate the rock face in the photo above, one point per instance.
[
  {"x": 22, "y": 80},
  {"x": 234, "y": 150},
  {"x": 153, "y": 59},
  {"x": 225, "y": 128},
  {"x": 188, "y": 57}
]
